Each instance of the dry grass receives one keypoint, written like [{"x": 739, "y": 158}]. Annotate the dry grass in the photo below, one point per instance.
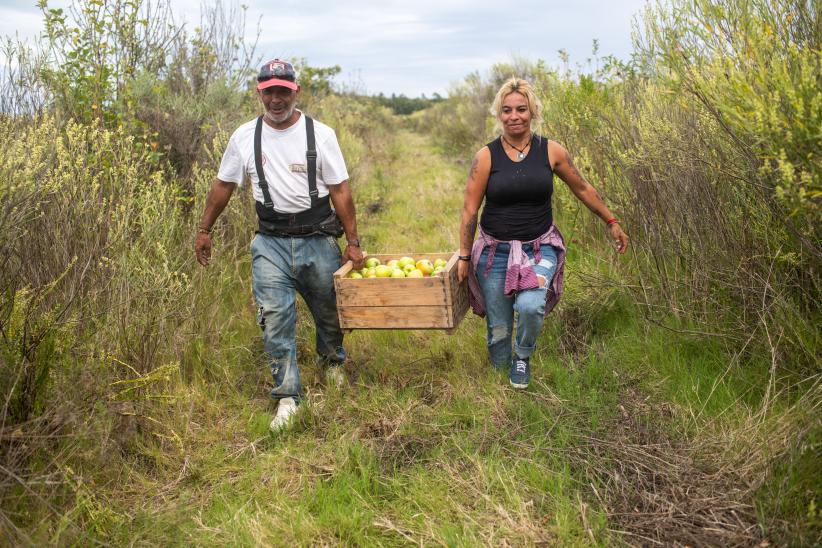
[
  {"x": 20, "y": 481},
  {"x": 660, "y": 491}
]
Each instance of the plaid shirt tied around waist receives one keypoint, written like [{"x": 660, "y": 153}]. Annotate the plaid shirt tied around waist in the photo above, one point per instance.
[{"x": 520, "y": 273}]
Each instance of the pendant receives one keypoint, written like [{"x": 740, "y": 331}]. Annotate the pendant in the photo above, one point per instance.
[{"x": 521, "y": 155}]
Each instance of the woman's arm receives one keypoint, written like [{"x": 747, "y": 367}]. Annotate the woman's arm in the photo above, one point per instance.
[
  {"x": 474, "y": 194},
  {"x": 563, "y": 165}
]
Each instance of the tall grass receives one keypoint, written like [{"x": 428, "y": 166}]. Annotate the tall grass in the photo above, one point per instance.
[
  {"x": 683, "y": 382},
  {"x": 104, "y": 311},
  {"x": 687, "y": 143},
  {"x": 706, "y": 145}
]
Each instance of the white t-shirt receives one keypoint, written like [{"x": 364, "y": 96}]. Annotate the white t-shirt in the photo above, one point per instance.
[{"x": 284, "y": 163}]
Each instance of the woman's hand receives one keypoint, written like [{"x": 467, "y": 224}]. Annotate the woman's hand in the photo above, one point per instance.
[
  {"x": 462, "y": 270},
  {"x": 619, "y": 237}
]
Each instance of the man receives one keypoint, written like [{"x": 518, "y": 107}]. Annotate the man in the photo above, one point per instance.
[{"x": 295, "y": 166}]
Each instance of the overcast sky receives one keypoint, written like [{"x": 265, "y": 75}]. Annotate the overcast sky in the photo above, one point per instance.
[{"x": 409, "y": 46}]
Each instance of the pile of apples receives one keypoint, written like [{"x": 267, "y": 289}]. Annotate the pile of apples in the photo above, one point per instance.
[{"x": 404, "y": 267}]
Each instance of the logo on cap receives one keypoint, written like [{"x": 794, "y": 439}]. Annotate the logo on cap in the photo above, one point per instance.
[{"x": 277, "y": 73}]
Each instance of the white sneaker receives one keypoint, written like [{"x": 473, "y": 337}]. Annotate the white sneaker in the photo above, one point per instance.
[
  {"x": 335, "y": 376},
  {"x": 285, "y": 412}
]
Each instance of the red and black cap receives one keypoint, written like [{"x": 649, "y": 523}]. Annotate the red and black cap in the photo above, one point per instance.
[{"x": 277, "y": 73}]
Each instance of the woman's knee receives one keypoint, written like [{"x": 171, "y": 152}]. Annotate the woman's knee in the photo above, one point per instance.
[
  {"x": 499, "y": 333},
  {"x": 531, "y": 303}
]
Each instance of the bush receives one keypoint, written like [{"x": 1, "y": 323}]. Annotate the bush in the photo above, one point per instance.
[{"x": 692, "y": 144}]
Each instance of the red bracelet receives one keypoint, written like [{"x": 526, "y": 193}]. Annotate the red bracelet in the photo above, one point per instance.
[{"x": 611, "y": 221}]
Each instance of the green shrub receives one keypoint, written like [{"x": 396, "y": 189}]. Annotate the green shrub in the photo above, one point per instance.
[{"x": 756, "y": 68}]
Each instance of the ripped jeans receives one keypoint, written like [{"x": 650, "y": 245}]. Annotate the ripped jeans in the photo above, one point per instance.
[
  {"x": 281, "y": 267},
  {"x": 529, "y": 304}
]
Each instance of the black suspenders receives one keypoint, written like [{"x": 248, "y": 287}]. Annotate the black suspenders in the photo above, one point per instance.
[
  {"x": 310, "y": 156},
  {"x": 311, "y": 159}
]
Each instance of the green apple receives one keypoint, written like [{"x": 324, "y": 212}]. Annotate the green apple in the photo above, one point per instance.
[
  {"x": 372, "y": 262},
  {"x": 355, "y": 275},
  {"x": 408, "y": 268},
  {"x": 383, "y": 271},
  {"x": 440, "y": 262},
  {"x": 398, "y": 273},
  {"x": 405, "y": 261},
  {"x": 415, "y": 273},
  {"x": 437, "y": 270},
  {"x": 393, "y": 263}
]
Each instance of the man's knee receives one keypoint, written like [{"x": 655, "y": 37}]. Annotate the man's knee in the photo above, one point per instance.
[
  {"x": 261, "y": 317},
  {"x": 268, "y": 317}
]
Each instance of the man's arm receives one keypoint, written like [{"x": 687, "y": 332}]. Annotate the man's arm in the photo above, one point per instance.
[
  {"x": 217, "y": 198},
  {"x": 344, "y": 204}
]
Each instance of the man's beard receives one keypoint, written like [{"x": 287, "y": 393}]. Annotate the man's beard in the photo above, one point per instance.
[{"x": 281, "y": 118}]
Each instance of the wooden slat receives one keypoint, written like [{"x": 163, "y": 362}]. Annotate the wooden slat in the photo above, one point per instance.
[
  {"x": 451, "y": 278},
  {"x": 461, "y": 303},
  {"x": 457, "y": 293},
  {"x": 343, "y": 271},
  {"x": 391, "y": 291},
  {"x": 449, "y": 274},
  {"x": 406, "y": 317}
]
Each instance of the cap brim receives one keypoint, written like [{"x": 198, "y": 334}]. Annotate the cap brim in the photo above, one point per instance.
[{"x": 275, "y": 82}]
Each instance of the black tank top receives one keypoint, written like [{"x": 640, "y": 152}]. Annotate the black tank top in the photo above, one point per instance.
[{"x": 518, "y": 195}]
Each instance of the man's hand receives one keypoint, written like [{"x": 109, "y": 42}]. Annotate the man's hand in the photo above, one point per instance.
[
  {"x": 354, "y": 254},
  {"x": 619, "y": 237},
  {"x": 217, "y": 198},
  {"x": 202, "y": 248}
]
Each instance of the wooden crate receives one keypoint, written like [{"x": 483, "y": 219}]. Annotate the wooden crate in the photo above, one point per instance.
[{"x": 435, "y": 302}]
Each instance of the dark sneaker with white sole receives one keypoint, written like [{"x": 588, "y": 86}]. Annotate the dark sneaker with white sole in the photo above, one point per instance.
[{"x": 520, "y": 374}]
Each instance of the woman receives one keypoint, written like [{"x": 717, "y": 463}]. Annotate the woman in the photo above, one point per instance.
[{"x": 516, "y": 263}]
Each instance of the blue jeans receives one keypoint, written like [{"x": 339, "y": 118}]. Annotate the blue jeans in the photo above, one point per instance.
[
  {"x": 281, "y": 267},
  {"x": 528, "y": 304}
]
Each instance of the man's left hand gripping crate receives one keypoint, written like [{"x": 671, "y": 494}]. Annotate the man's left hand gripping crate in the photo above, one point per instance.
[{"x": 435, "y": 302}]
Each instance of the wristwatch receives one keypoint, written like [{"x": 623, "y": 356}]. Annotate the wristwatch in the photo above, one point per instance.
[{"x": 355, "y": 243}]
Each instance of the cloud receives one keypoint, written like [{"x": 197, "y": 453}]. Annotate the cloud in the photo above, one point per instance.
[
  {"x": 20, "y": 21},
  {"x": 412, "y": 47}
]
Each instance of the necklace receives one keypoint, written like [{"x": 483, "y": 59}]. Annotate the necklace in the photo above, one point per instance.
[{"x": 520, "y": 151}]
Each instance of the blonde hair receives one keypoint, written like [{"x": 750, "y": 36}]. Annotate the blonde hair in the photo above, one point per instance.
[{"x": 517, "y": 85}]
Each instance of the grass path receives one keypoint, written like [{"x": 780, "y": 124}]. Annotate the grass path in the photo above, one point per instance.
[{"x": 428, "y": 445}]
